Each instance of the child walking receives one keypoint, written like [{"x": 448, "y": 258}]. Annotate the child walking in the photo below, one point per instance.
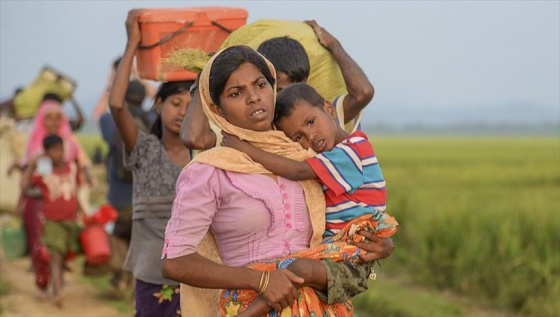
[
  {"x": 346, "y": 165},
  {"x": 156, "y": 160},
  {"x": 58, "y": 181}
]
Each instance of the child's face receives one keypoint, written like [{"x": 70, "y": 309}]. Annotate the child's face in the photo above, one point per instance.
[
  {"x": 311, "y": 126},
  {"x": 173, "y": 110},
  {"x": 52, "y": 121},
  {"x": 56, "y": 153}
]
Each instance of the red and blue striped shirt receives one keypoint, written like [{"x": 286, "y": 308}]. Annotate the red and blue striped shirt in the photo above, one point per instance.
[{"x": 352, "y": 181}]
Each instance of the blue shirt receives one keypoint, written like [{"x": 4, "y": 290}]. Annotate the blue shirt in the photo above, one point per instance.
[{"x": 119, "y": 194}]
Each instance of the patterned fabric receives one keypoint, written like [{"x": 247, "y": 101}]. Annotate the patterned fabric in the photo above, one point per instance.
[
  {"x": 153, "y": 194},
  {"x": 59, "y": 190},
  {"x": 34, "y": 222},
  {"x": 352, "y": 181},
  {"x": 153, "y": 300},
  {"x": 335, "y": 248}
]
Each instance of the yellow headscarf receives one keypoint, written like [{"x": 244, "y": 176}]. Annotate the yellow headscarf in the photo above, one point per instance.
[{"x": 203, "y": 302}]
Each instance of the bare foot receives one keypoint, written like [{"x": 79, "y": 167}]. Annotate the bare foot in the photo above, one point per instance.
[
  {"x": 59, "y": 301},
  {"x": 42, "y": 295}
]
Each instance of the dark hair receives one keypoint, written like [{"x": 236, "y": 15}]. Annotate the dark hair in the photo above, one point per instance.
[
  {"x": 18, "y": 90},
  {"x": 166, "y": 90},
  {"x": 288, "y": 97},
  {"x": 288, "y": 56},
  {"x": 229, "y": 61},
  {"x": 51, "y": 140},
  {"x": 52, "y": 96},
  {"x": 135, "y": 93}
]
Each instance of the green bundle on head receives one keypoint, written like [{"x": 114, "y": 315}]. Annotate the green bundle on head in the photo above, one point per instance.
[{"x": 190, "y": 59}]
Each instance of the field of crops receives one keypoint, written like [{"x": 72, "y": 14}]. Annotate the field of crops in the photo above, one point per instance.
[{"x": 479, "y": 217}]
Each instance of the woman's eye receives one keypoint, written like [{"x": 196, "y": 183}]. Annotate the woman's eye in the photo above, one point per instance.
[
  {"x": 235, "y": 93},
  {"x": 261, "y": 84}
]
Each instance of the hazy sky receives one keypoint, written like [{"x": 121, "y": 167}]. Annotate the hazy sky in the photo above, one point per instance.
[{"x": 424, "y": 57}]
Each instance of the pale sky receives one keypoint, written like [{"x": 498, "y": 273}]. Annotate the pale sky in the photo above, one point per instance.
[{"x": 498, "y": 59}]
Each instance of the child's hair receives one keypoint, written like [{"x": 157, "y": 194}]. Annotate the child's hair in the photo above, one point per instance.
[
  {"x": 135, "y": 93},
  {"x": 166, "y": 90},
  {"x": 288, "y": 97},
  {"x": 52, "y": 96},
  {"x": 51, "y": 140},
  {"x": 288, "y": 56},
  {"x": 229, "y": 61}
]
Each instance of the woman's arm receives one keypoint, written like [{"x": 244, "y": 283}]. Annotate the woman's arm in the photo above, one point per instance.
[
  {"x": 278, "y": 165},
  {"x": 196, "y": 270},
  {"x": 123, "y": 118},
  {"x": 360, "y": 89}
]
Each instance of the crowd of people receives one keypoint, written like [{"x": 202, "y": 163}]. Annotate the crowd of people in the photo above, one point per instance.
[{"x": 243, "y": 192}]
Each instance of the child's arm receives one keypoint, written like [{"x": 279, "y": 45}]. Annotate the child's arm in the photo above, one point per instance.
[
  {"x": 278, "y": 165},
  {"x": 27, "y": 177},
  {"x": 123, "y": 118}
]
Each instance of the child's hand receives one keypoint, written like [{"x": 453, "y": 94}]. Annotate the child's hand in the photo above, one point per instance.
[
  {"x": 233, "y": 142},
  {"x": 377, "y": 248},
  {"x": 324, "y": 37},
  {"x": 133, "y": 27}
]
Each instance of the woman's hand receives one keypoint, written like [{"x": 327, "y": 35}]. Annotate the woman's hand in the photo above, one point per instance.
[
  {"x": 133, "y": 27},
  {"x": 377, "y": 248},
  {"x": 281, "y": 292}
]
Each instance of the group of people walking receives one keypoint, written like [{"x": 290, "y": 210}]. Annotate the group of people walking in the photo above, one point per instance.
[{"x": 250, "y": 193}]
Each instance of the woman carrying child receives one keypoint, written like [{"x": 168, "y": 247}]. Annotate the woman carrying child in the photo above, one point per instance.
[
  {"x": 57, "y": 179},
  {"x": 252, "y": 214}
]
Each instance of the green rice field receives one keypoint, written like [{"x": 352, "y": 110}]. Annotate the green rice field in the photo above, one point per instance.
[{"x": 480, "y": 219}]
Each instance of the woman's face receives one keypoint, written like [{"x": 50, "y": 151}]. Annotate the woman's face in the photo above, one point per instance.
[
  {"x": 247, "y": 100},
  {"x": 173, "y": 110},
  {"x": 52, "y": 121}
]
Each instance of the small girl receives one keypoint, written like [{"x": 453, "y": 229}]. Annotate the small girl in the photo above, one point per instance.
[
  {"x": 156, "y": 160},
  {"x": 58, "y": 182}
]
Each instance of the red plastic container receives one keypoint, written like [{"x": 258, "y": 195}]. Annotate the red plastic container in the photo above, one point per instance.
[
  {"x": 166, "y": 30},
  {"x": 102, "y": 216},
  {"x": 95, "y": 244}
]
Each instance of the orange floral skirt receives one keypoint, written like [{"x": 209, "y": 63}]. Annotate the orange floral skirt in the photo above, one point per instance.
[{"x": 336, "y": 248}]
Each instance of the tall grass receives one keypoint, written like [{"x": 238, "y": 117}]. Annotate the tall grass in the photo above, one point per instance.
[{"x": 479, "y": 216}]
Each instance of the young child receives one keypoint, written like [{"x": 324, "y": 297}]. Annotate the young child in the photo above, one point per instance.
[
  {"x": 58, "y": 181},
  {"x": 346, "y": 166}
]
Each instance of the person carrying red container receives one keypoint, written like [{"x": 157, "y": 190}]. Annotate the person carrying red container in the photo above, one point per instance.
[{"x": 58, "y": 182}]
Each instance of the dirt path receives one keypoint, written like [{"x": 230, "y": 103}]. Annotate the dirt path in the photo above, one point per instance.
[{"x": 81, "y": 298}]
